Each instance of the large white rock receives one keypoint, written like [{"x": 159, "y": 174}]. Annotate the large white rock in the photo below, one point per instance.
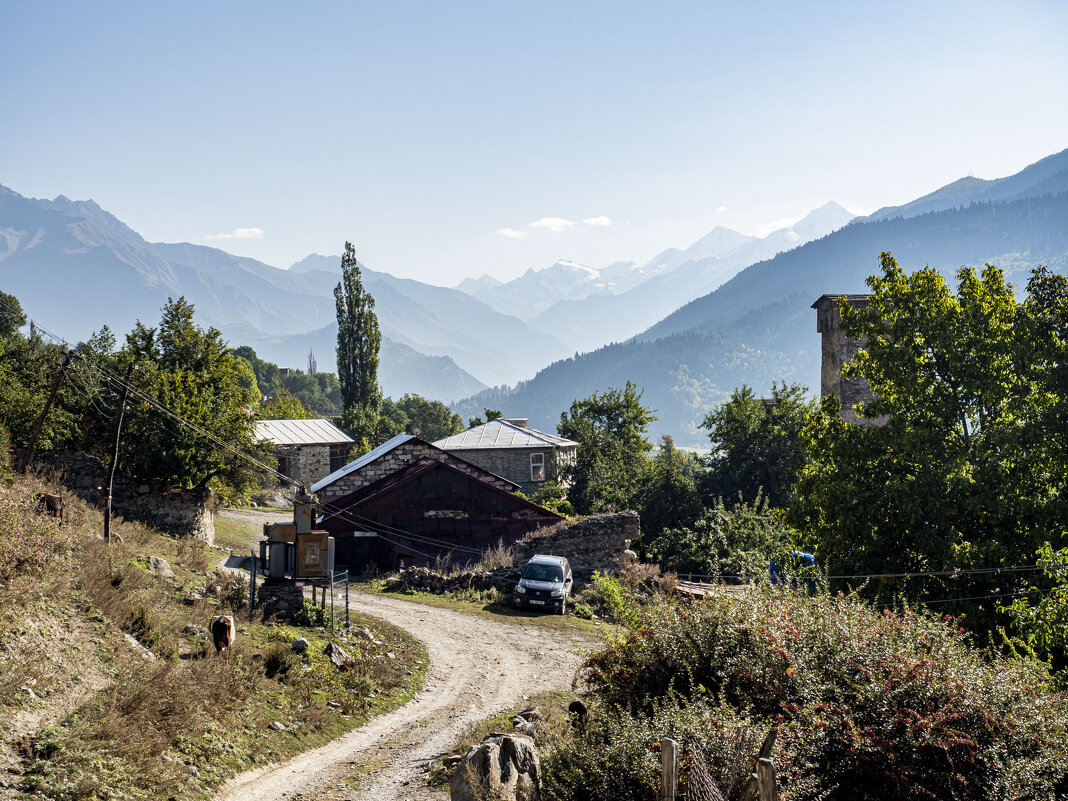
[{"x": 503, "y": 767}]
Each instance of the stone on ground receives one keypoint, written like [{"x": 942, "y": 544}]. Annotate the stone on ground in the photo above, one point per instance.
[{"x": 502, "y": 766}]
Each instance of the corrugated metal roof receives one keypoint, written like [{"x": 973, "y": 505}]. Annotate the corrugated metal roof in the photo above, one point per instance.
[
  {"x": 301, "y": 432},
  {"x": 501, "y": 434},
  {"x": 367, "y": 458}
]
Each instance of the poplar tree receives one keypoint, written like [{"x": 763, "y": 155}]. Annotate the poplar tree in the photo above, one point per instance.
[{"x": 358, "y": 343}]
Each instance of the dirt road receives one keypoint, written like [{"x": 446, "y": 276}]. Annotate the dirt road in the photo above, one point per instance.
[{"x": 478, "y": 667}]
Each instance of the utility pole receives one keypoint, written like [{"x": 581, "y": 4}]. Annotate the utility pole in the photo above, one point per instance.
[
  {"x": 27, "y": 454},
  {"x": 115, "y": 453}
]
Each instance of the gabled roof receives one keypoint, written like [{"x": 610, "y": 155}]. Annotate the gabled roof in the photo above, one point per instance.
[
  {"x": 301, "y": 432},
  {"x": 366, "y": 459},
  {"x": 381, "y": 451},
  {"x": 501, "y": 434},
  {"x": 337, "y": 507}
]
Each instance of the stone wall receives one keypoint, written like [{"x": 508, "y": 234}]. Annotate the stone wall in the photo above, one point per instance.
[
  {"x": 306, "y": 463},
  {"x": 182, "y": 513},
  {"x": 280, "y": 598},
  {"x": 837, "y": 350},
  {"x": 592, "y": 543},
  {"x": 514, "y": 464},
  {"x": 387, "y": 464}
]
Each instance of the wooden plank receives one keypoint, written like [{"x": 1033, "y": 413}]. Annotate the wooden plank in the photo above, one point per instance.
[{"x": 669, "y": 771}]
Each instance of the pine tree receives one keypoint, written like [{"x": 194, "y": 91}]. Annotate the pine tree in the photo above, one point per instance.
[{"x": 358, "y": 343}]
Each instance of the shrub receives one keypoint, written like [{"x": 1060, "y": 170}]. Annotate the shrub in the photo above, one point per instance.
[
  {"x": 583, "y": 611},
  {"x": 279, "y": 661},
  {"x": 311, "y": 616},
  {"x": 731, "y": 541},
  {"x": 608, "y": 598},
  {"x": 872, "y": 704}
]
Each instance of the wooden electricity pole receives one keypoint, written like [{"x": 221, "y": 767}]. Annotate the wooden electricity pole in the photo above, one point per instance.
[
  {"x": 27, "y": 453},
  {"x": 115, "y": 453}
]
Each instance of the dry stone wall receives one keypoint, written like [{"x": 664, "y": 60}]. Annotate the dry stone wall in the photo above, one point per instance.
[
  {"x": 182, "y": 513},
  {"x": 307, "y": 463},
  {"x": 592, "y": 543},
  {"x": 404, "y": 454}
]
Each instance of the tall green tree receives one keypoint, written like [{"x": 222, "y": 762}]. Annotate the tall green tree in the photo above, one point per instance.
[
  {"x": 358, "y": 343},
  {"x": 191, "y": 371},
  {"x": 670, "y": 497},
  {"x": 613, "y": 452},
  {"x": 962, "y": 475},
  {"x": 757, "y": 445}
]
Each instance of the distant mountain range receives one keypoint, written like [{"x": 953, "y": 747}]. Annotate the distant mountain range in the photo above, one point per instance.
[
  {"x": 587, "y": 307},
  {"x": 758, "y": 327}
]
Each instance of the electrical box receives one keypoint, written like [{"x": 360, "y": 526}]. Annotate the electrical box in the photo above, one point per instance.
[
  {"x": 280, "y": 532},
  {"x": 314, "y": 554}
]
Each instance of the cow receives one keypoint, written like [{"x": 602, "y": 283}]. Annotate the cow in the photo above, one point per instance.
[
  {"x": 579, "y": 714},
  {"x": 52, "y": 504},
  {"x": 223, "y": 632}
]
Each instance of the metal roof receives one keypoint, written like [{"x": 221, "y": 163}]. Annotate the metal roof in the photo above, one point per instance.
[
  {"x": 301, "y": 432},
  {"x": 367, "y": 458},
  {"x": 501, "y": 434}
]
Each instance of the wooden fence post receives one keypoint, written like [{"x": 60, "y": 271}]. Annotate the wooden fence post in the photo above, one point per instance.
[
  {"x": 766, "y": 780},
  {"x": 669, "y": 774}
]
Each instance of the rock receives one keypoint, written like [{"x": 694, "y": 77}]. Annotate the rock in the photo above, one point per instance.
[
  {"x": 160, "y": 567},
  {"x": 195, "y": 630},
  {"x": 278, "y": 726},
  {"x": 337, "y": 655},
  {"x": 531, "y": 713},
  {"x": 525, "y": 728},
  {"x": 452, "y": 761},
  {"x": 299, "y": 644},
  {"x": 502, "y": 766}
]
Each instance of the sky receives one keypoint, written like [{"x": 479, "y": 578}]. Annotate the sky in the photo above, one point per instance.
[{"x": 451, "y": 140}]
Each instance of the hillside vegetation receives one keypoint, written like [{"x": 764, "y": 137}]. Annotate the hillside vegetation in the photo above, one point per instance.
[
  {"x": 109, "y": 687},
  {"x": 869, "y": 703}
]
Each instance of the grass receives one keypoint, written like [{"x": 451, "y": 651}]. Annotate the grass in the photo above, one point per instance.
[
  {"x": 499, "y": 609},
  {"x": 178, "y": 725},
  {"x": 240, "y": 536}
]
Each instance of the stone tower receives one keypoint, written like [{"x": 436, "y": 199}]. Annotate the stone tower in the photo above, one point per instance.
[{"x": 837, "y": 350}]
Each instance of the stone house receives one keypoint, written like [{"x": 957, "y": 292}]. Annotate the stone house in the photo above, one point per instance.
[
  {"x": 511, "y": 448},
  {"x": 388, "y": 458},
  {"x": 306, "y": 450},
  {"x": 837, "y": 350}
]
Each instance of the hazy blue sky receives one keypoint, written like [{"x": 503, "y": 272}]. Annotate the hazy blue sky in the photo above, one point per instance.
[{"x": 432, "y": 135}]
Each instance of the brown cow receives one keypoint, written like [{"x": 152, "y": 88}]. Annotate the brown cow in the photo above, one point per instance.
[
  {"x": 223, "y": 632},
  {"x": 52, "y": 504}
]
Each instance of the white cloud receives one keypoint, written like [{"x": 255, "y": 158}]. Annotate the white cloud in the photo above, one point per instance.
[
  {"x": 239, "y": 233},
  {"x": 598, "y": 222},
  {"x": 721, "y": 209},
  {"x": 554, "y": 224},
  {"x": 512, "y": 234}
]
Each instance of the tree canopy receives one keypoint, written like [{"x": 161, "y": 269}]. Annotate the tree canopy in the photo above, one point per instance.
[
  {"x": 358, "y": 343},
  {"x": 756, "y": 444},
  {"x": 613, "y": 452},
  {"x": 968, "y": 471}
]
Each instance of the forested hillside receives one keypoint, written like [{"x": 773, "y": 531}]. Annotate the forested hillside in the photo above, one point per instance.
[{"x": 759, "y": 327}]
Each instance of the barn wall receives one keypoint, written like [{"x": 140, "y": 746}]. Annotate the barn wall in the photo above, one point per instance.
[{"x": 438, "y": 505}]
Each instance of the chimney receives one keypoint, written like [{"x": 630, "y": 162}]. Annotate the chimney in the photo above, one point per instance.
[{"x": 521, "y": 422}]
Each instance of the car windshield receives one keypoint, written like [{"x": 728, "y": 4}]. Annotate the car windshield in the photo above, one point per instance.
[{"x": 544, "y": 573}]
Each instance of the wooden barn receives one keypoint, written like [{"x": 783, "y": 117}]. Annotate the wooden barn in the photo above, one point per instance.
[{"x": 425, "y": 511}]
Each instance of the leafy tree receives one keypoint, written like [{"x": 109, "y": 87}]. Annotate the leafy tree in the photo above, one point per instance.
[
  {"x": 670, "y": 497},
  {"x": 962, "y": 475},
  {"x": 191, "y": 371},
  {"x": 491, "y": 415},
  {"x": 12, "y": 318},
  {"x": 433, "y": 419},
  {"x": 736, "y": 541},
  {"x": 358, "y": 344},
  {"x": 284, "y": 405},
  {"x": 1041, "y": 613},
  {"x": 757, "y": 445},
  {"x": 613, "y": 453}
]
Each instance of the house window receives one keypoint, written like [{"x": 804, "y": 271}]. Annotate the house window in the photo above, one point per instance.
[
  {"x": 537, "y": 467},
  {"x": 339, "y": 456}
]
